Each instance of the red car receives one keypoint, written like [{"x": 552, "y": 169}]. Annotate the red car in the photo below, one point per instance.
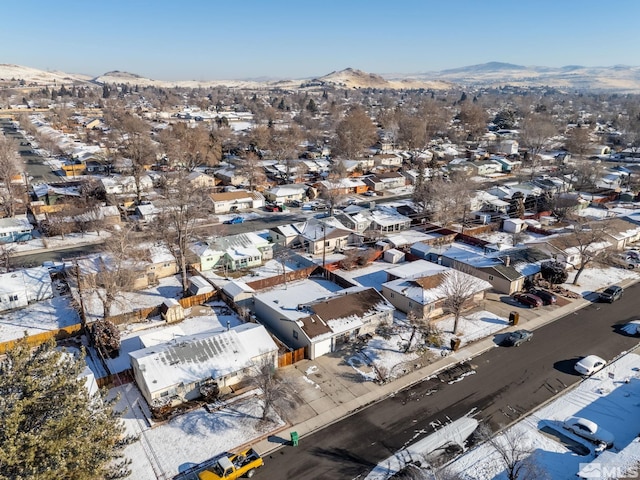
[{"x": 528, "y": 299}]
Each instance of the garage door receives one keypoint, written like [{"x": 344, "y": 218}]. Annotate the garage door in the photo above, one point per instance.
[{"x": 323, "y": 347}]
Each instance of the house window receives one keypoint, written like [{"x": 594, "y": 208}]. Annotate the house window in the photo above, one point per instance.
[
  {"x": 392, "y": 295},
  {"x": 13, "y": 298},
  {"x": 490, "y": 277},
  {"x": 166, "y": 265},
  {"x": 295, "y": 334},
  {"x": 164, "y": 394}
]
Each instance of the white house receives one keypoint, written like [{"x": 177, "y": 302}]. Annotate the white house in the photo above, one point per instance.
[
  {"x": 286, "y": 193},
  {"x": 125, "y": 184},
  {"x": 225, "y": 202},
  {"x": 304, "y": 317},
  {"x": 173, "y": 372},
  {"x": 22, "y": 287}
]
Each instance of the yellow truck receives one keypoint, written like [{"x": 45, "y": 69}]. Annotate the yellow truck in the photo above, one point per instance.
[{"x": 233, "y": 465}]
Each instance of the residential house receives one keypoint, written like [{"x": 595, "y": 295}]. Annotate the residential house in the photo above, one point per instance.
[
  {"x": 225, "y": 202},
  {"x": 300, "y": 319},
  {"x": 385, "y": 181},
  {"x": 485, "y": 168},
  {"x": 234, "y": 252},
  {"x": 386, "y": 220},
  {"x": 15, "y": 229},
  {"x": 284, "y": 194},
  {"x": 125, "y": 184},
  {"x": 201, "y": 180},
  {"x": 22, "y": 287},
  {"x": 387, "y": 160},
  {"x": 343, "y": 186},
  {"x": 621, "y": 232},
  {"x": 424, "y": 293},
  {"x": 174, "y": 371},
  {"x": 231, "y": 176}
]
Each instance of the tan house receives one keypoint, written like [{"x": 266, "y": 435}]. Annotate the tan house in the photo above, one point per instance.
[{"x": 225, "y": 202}]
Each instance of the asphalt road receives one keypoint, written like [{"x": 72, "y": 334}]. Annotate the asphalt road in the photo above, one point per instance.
[{"x": 508, "y": 382}]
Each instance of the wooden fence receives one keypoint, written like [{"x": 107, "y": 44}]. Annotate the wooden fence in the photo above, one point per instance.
[
  {"x": 38, "y": 338},
  {"x": 289, "y": 358}
]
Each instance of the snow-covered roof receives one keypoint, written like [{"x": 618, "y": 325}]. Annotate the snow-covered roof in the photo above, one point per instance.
[
  {"x": 30, "y": 279},
  {"x": 413, "y": 269},
  {"x": 236, "y": 288},
  {"x": 193, "y": 358},
  {"x": 14, "y": 224}
]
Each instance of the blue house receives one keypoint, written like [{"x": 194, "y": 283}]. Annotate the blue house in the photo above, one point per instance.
[{"x": 17, "y": 229}]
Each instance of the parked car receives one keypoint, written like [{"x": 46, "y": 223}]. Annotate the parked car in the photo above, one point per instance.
[
  {"x": 589, "y": 430},
  {"x": 369, "y": 193},
  {"x": 611, "y": 294},
  {"x": 590, "y": 365},
  {"x": 295, "y": 203},
  {"x": 517, "y": 338},
  {"x": 270, "y": 207},
  {"x": 528, "y": 299},
  {"x": 547, "y": 298},
  {"x": 234, "y": 220}
]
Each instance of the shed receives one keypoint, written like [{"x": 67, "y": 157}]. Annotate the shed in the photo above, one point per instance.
[
  {"x": 171, "y": 310},
  {"x": 514, "y": 225},
  {"x": 393, "y": 255},
  {"x": 198, "y": 285}
]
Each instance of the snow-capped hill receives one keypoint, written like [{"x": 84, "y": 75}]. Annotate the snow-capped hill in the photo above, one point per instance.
[
  {"x": 353, "y": 78},
  {"x": 28, "y": 75},
  {"x": 484, "y": 67}
]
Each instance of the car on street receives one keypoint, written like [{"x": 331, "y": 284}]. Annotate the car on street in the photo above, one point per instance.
[
  {"x": 590, "y": 430},
  {"x": 590, "y": 365},
  {"x": 234, "y": 220},
  {"x": 517, "y": 338},
  {"x": 528, "y": 299},
  {"x": 611, "y": 294}
]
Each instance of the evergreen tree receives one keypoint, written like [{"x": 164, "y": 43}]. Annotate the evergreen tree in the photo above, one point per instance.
[
  {"x": 51, "y": 426},
  {"x": 311, "y": 106},
  {"x": 106, "y": 93},
  {"x": 281, "y": 105}
]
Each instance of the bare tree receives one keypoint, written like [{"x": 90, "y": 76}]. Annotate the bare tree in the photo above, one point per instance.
[
  {"x": 115, "y": 272},
  {"x": 355, "y": 132},
  {"x": 445, "y": 200},
  {"x": 191, "y": 147},
  {"x": 136, "y": 145},
  {"x": 10, "y": 170},
  {"x": 578, "y": 141},
  {"x": 514, "y": 452},
  {"x": 535, "y": 132},
  {"x": 474, "y": 119},
  {"x": 251, "y": 168},
  {"x": 584, "y": 239},
  {"x": 176, "y": 223},
  {"x": 458, "y": 288},
  {"x": 6, "y": 252},
  {"x": 278, "y": 394}
]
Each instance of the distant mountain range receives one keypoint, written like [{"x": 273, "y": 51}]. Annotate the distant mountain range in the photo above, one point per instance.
[{"x": 618, "y": 78}]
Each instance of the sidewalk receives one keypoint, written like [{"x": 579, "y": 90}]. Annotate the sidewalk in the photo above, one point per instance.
[{"x": 332, "y": 413}]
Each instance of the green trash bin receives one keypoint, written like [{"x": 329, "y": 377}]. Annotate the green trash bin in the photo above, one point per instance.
[{"x": 294, "y": 439}]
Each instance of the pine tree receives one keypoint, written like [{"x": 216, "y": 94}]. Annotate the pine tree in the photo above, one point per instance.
[{"x": 51, "y": 426}]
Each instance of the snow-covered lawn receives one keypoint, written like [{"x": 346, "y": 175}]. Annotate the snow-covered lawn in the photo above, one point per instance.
[
  {"x": 593, "y": 279},
  {"x": 609, "y": 398},
  {"x": 170, "y": 287},
  {"x": 385, "y": 357},
  {"x": 191, "y": 438},
  {"x": 38, "y": 317}
]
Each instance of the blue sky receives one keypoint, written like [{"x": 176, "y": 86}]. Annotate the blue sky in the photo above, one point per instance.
[{"x": 237, "y": 39}]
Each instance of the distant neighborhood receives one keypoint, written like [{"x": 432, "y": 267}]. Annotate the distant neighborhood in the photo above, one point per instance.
[{"x": 198, "y": 238}]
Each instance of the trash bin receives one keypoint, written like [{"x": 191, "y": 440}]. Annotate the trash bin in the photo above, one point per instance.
[
  {"x": 513, "y": 318},
  {"x": 294, "y": 439},
  {"x": 455, "y": 343}
]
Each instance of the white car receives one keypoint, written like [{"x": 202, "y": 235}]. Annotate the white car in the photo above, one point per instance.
[
  {"x": 590, "y": 365},
  {"x": 589, "y": 430}
]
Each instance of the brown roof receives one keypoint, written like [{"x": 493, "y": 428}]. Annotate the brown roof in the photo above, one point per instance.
[
  {"x": 351, "y": 304},
  {"x": 222, "y": 196},
  {"x": 432, "y": 281}
]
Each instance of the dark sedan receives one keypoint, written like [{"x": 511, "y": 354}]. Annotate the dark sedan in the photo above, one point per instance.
[{"x": 517, "y": 338}]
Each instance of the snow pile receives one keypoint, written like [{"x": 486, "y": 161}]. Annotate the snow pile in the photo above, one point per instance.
[{"x": 632, "y": 328}]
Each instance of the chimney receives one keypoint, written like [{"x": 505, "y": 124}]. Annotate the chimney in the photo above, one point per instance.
[{"x": 507, "y": 261}]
